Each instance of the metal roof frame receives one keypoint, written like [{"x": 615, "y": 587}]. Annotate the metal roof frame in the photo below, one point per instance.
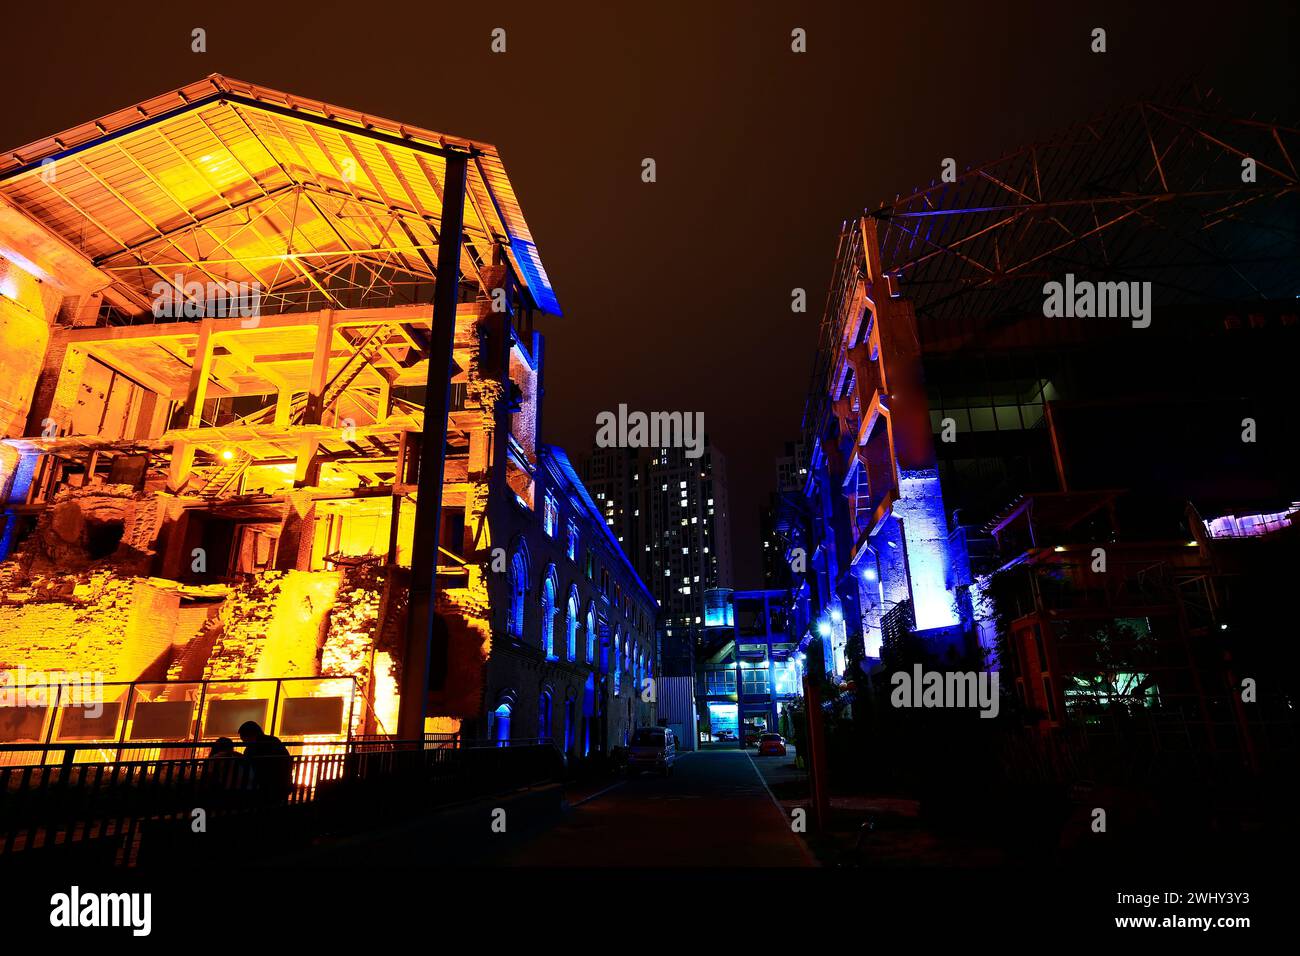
[
  {"x": 220, "y": 176},
  {"x": 1152, "y": 191}
]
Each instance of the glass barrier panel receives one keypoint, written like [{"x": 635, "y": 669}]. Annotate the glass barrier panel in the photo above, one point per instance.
[
  {"x": 22, "y": 723},
  {"x": 161, "y": 712},
  {"x": 228, "y": 708}
]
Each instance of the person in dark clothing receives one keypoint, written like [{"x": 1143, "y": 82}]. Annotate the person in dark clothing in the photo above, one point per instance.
[
  {"x": 269, "y": 759},
  {"x": 222, "y": 771}
]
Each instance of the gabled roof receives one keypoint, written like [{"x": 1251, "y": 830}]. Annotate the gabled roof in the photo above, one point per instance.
[{"x": 223, "y": 180}]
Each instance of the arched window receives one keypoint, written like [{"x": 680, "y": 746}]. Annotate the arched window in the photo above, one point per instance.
[
  {"x": 549, "y": 590},
  {"x": 588, "y": 712},
  {"x": 591, "y": 633},
  {"x": 571, "y": 625},
  {"x": 618, "y": 662},
  {"x": 544, "y": 713},
  {"x": 518, "y": 589},
  {"x": 570, "y": 722},
  {"x": 499, "y": 719}
]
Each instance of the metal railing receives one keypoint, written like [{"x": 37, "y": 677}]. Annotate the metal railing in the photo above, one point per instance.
[
  {"x": 139, "y": 720},
  {"x": 131, "y": 811}
]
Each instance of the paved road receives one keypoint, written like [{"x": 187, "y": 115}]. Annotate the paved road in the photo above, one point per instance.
[{"x": 713, "y": 811}]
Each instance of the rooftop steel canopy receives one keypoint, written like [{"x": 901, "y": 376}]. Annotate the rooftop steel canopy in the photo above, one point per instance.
[
  {"x": 1153, "y": 191},
  {"x": 224, "y": 181}
]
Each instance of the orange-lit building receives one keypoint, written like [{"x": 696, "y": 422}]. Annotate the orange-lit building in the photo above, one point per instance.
[{"x": 218, "y": 312}]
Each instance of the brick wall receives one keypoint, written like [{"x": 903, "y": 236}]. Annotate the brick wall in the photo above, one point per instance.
[{"x": 95, "y": 621}]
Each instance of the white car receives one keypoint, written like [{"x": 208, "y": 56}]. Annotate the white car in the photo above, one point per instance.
[{"x": 653, "y": 749}]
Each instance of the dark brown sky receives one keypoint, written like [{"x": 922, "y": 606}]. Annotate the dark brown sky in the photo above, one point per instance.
[{"x": 676, "y": 294}]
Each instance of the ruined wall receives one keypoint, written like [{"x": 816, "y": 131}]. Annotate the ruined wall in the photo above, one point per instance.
[
  {"x": 96, "y": 621},
  {"x": 929, "y": 565},
  {"x": 112, "y": 524},
  {"x": 25, "y": 309},
  {"x": 467, "y": 614},
  {"x": 351, "y": 636},
  {"x": 272, "y": 625}
]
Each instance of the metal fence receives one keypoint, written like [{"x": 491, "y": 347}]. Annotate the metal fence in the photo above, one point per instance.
[{"x": 200, "y": 807}]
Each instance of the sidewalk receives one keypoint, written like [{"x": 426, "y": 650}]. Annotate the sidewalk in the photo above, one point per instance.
[{"x": 870, "y": 829}]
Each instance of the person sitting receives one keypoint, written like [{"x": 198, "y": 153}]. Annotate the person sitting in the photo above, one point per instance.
[{"x": 222, "y": 769}]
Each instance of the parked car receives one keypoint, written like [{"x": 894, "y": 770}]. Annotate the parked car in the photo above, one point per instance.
[
  {"x": 652, "y": 749},
  {"x": 752, "y": 736},
  {"x": 724, "y": 735},
  {"x": 771, "y": 745}
]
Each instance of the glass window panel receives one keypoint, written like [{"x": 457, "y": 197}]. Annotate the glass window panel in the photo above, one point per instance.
[{"x": 1008, "y": 417}]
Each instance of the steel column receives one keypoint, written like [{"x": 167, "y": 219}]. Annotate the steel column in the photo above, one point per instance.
[{"x": 433, "y": 445}]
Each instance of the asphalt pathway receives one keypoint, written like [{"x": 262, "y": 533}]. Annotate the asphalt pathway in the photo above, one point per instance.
[{"x": 715, "y": 810}]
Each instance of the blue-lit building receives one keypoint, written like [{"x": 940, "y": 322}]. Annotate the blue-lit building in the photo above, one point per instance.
[
  {"x": 961, "y": 433},
  {"x": 868, "y": 539},
  {"x": 750, "y": 667}
]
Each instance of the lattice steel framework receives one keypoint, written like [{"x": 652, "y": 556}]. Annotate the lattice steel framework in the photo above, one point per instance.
[{"x": 1151, "y": 192}]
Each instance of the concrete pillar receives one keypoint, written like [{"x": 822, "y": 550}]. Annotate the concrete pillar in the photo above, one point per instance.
[
  {"x": 56, "y": 386},
  {"x": 320, "y": 368},
  {"x": 306, "y": 472},
  {"x": 900, "y": 363},
  {"x": 182, "y": 463},
  {"x": 200, "y": 374},
  {"x": 283, "y": 400},
  {"x": 925, "y": 531},
  {"x": 385, "y": 401},
  {"x": 172, "y": 560},
  {"x": 297, "y": 530}
]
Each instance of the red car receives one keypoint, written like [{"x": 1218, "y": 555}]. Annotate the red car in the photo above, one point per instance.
[{"x": 771, "y": 745}]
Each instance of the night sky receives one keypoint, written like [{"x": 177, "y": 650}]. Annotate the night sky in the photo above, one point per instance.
[{"x": 676, "y": 294}]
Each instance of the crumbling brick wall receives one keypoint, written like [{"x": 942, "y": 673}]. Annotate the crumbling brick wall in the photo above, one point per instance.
[
  {"x": 353, "y": 632},
  {"x": 103, "y": 524},
  {"x": 273, "y": 626},
  {"x": 91, "y": 621}
]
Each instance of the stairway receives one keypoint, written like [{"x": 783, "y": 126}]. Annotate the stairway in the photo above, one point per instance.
[{"x": 227, "y": 475}]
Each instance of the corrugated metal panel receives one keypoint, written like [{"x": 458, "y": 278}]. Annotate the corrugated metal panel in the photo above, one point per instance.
[
  {"x": 676, "y": 699},
  {"x": 676, "y": 707}
]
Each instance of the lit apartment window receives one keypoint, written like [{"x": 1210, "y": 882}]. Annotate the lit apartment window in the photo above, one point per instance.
[{"x": 573, "y": 541}]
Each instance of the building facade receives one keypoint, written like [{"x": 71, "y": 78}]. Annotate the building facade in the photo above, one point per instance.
[
  {"x": 869, "y": 537},
  {"x": 613, "y": 476},
  {"x": 750, "y": 667},
  {"x": 676, "y": 507},
  {"x": 227, "y": 489},
  {"x": 1061, "y": 491}
]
